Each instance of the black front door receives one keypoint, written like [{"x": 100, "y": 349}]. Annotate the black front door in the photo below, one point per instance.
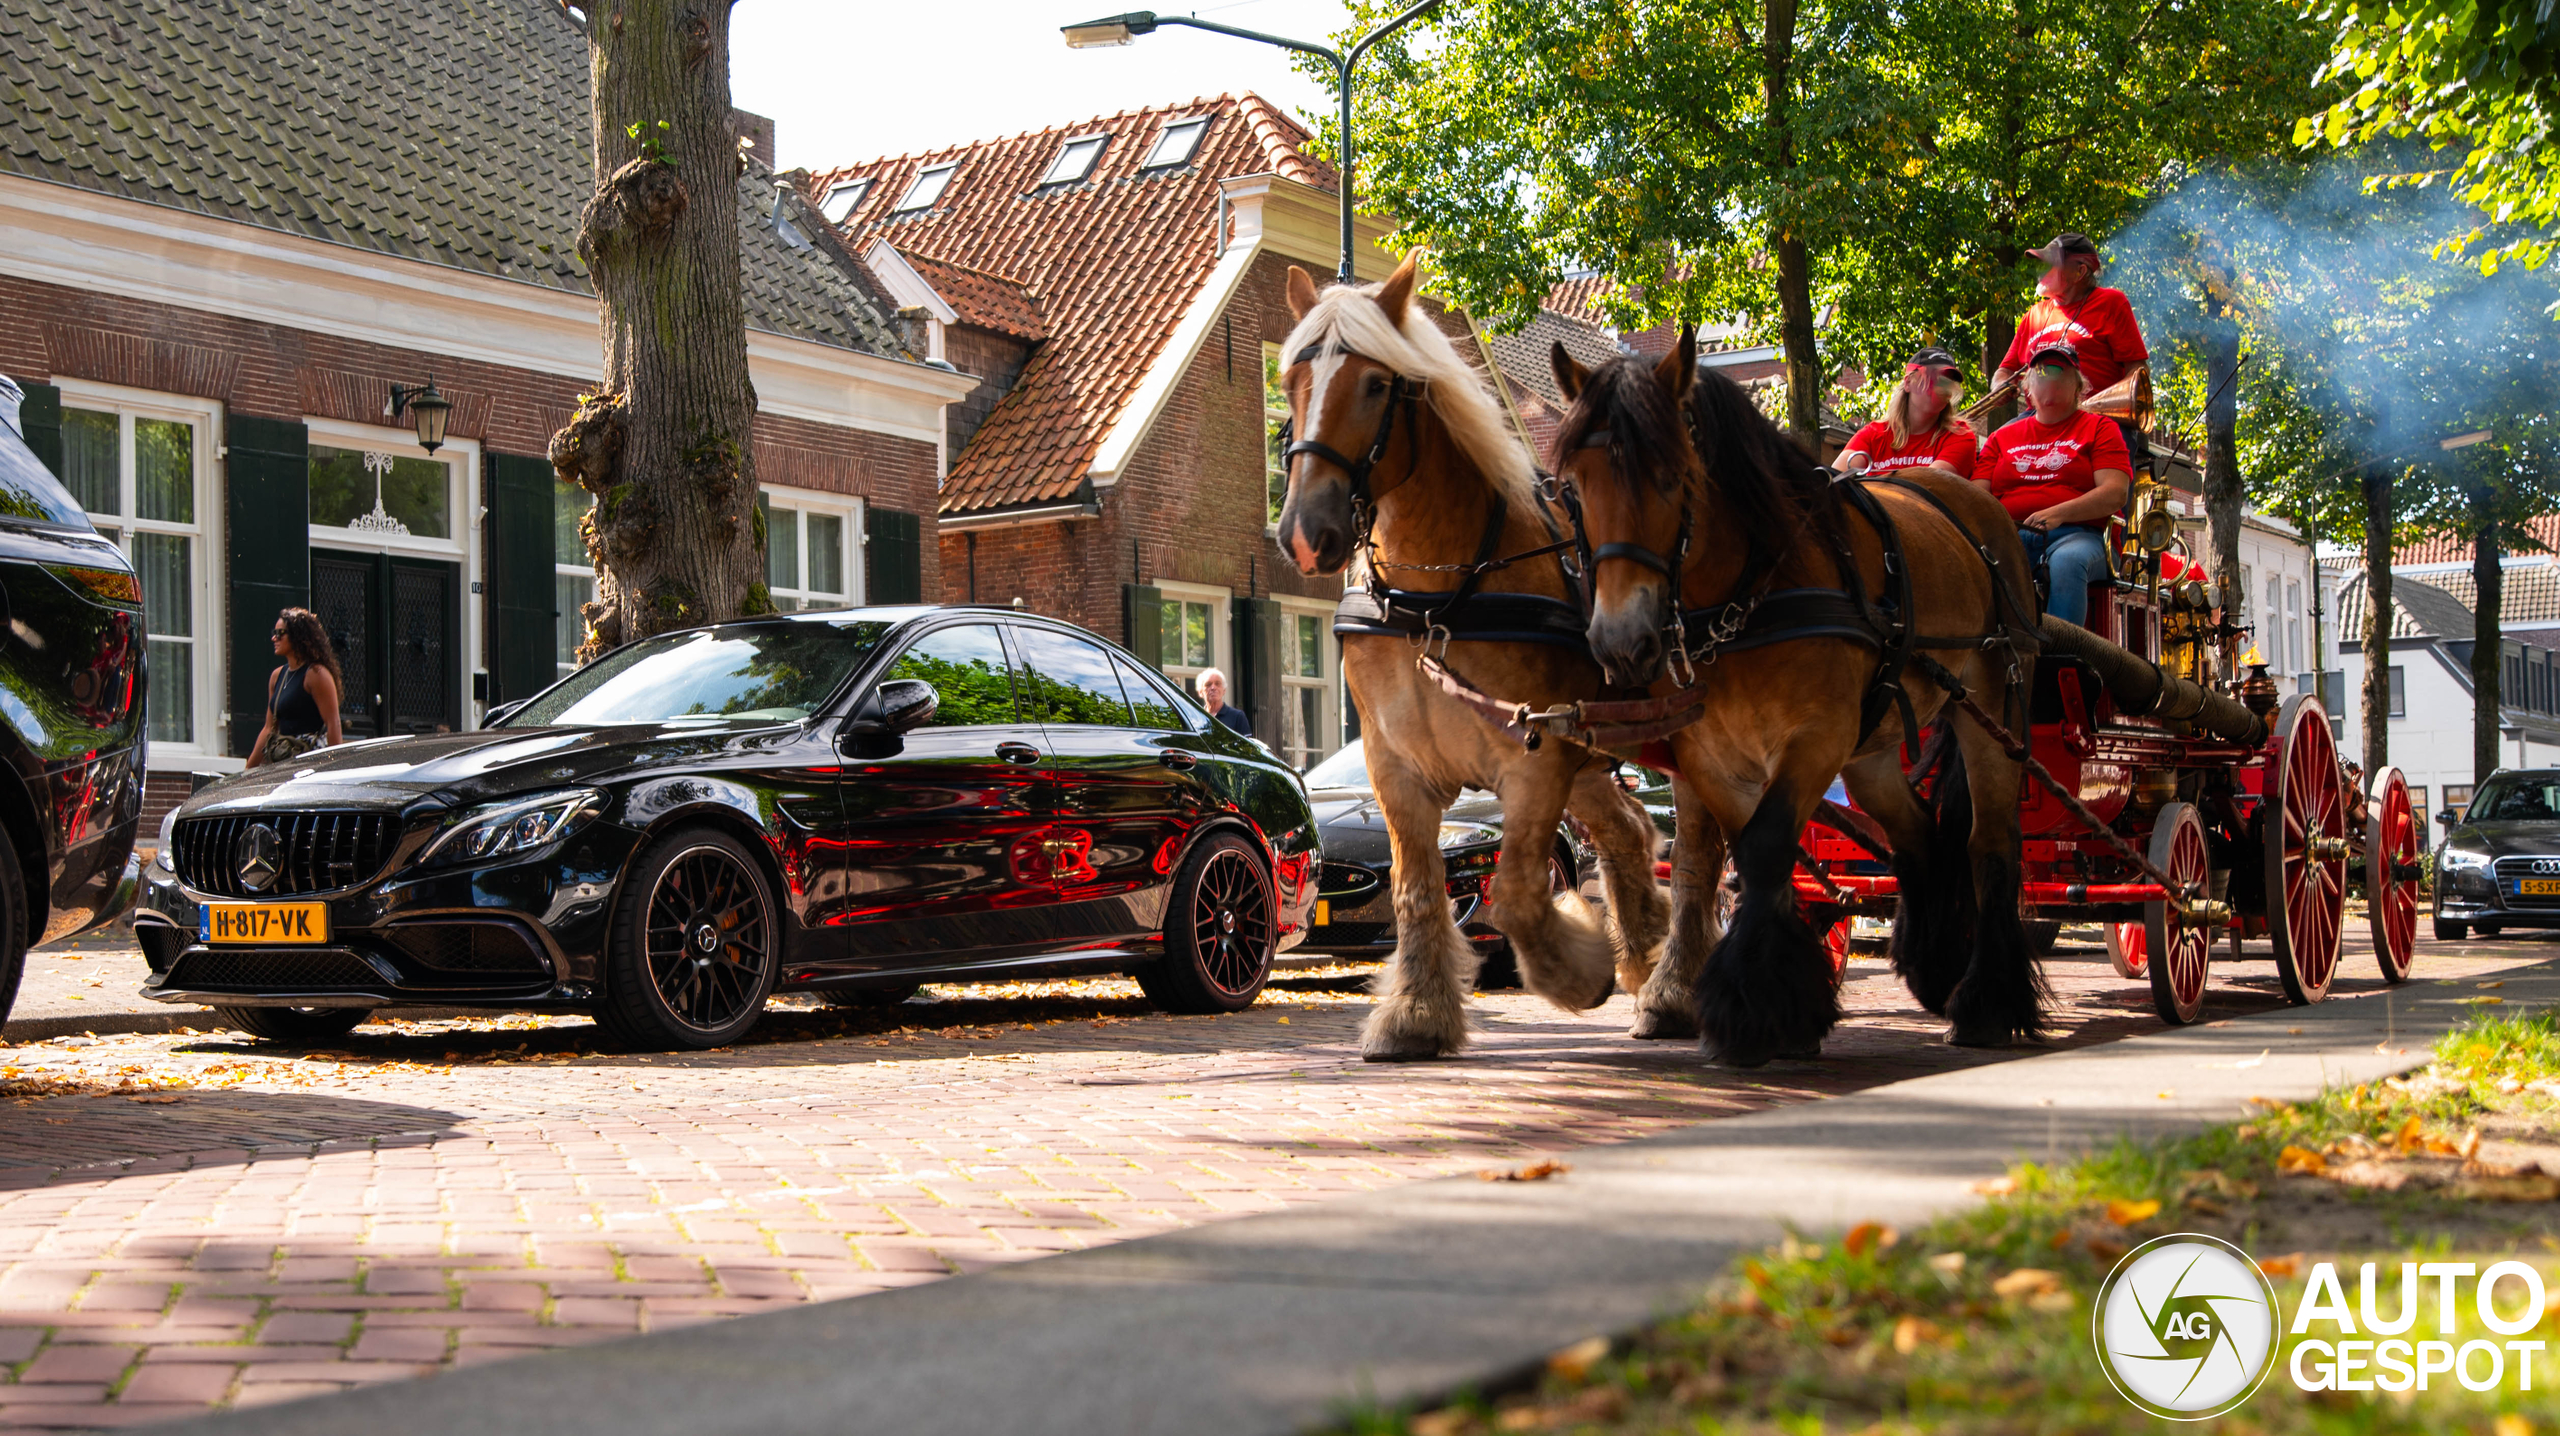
[{"x": 397, "y": 624}]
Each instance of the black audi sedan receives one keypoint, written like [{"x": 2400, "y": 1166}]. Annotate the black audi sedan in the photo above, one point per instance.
[
  {"x": 71, "y": 704},
  {"x": 853, "y": 802},
  {"x": 2499, "y": 865}
]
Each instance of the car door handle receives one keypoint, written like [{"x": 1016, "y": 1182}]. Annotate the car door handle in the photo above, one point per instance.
[
  {"x": 1017, "y": 752},
  {"x": 1178, "y": 760}
]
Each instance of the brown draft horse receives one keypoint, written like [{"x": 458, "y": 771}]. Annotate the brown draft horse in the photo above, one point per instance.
[
  {"x": 1727, "y": 503},
  {"x": 1369, "y": 374}
]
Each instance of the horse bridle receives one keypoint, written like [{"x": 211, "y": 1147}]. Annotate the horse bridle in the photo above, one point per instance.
[
  {"x": 1639, "y": 554},
  {"x": 1401, "y": 393}
]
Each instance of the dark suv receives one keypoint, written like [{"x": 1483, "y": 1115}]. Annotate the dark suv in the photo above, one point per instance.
[
  {"x": 71, "y": 729},
  {"x": 2499, "y": 866}
]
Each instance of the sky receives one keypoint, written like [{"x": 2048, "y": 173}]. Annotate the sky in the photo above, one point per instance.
[{"x": 880, "y": 77}]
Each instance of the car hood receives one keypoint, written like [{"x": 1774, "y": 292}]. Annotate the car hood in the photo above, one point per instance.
[
  {"x": 393, "y": 774},
  {"x": 1355, "y": 831},
  {"x": 2538, "y": 837}
]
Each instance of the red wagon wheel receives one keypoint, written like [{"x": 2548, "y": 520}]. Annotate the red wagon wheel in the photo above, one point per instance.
[
  {"x": 2177, "y": 947},
  {"x": 2305, "y": 826},
  {"x": 2127, "y": 948},
  {"x": 1835, "y": 945},
  {"x": 2391, "y": 848}
]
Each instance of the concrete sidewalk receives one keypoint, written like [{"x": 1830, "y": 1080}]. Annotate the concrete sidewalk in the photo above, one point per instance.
[{"x": 1282, "y": 1322}]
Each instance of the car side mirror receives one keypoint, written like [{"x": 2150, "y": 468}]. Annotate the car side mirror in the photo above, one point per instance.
[
  {"x": 897, "y": 706},
  {"x": 502, "y": 713},
  {"x": 2447, "y": 818}
]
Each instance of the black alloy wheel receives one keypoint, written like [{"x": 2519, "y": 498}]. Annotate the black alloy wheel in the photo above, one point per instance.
[
  {"x": 696, "y": 948},
  {"x": 1219, "y": 932},
  {"x": 295, "y": 1026},
  {"x": 2448, "y": 930}
]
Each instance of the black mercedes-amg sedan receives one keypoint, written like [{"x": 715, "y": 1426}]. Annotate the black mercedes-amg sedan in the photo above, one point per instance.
[{"x": 853, "y": 802}]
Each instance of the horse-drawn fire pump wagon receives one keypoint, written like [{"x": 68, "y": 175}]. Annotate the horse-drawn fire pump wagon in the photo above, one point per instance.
[{"x": 2183, "y": 804}]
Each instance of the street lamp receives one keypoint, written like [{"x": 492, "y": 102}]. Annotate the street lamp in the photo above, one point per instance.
[
  {"x": 428, "y": 408},
  {"x": 1123, "y": 29}
]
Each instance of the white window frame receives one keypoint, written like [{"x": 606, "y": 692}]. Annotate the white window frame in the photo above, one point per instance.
[
  {"x": 849, "y": 507},
  {"x": 1308, "y": 752},
  {"x": 211, "y": 611},
  {"x": 926, "y": 190},
  {"x": 843, "y": 198},
  {"x": 464, "y": 515},
  {"x": 1058, "y": 172},
  {"x": 1157, "y": 156},
  {"x": 1275, "y": 469},
  {"x": 1221, "y": 602},
  {"x": 2293, "y": 623},
  {"x": 586, "y": 572}
]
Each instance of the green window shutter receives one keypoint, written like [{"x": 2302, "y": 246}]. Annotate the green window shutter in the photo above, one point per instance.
[
  {"x": 1260, "y": 647},
  {"x": 896, "y": 548},
  {"x": 1142, "y": 621},
  {"x": 40, "y": 421},
  {"x": 520, "y": 576},
  {"x": 267, "y": 549}
]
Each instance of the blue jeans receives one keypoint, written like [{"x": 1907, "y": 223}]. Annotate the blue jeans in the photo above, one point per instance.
[{"x": 2076, "y": 558}]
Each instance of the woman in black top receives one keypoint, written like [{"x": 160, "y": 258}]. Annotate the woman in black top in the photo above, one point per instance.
[{"x": 302, "y": 696}]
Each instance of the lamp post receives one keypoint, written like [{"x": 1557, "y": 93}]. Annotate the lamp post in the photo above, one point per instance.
[{"x": 1122, "y": 29}]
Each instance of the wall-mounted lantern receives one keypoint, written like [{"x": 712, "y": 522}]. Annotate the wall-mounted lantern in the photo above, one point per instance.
[{"x": 428, "y": 408}]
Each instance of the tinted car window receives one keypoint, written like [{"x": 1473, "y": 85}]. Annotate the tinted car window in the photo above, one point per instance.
[
  {"x": 30, "y": 494},
  {"x": 1067, "y": 680},
  {"x": 2514, "y": 800},
  {"x": 966, "y": 666},
  {"x": 1148, "y": 703},
  {"x": 770, "y": 672}
]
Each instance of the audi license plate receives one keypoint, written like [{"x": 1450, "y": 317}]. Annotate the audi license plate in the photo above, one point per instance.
[
  {"x": 266, "y": 922},
  {"x": 1324, "y": 914},
  {"x": 2539, "y": 887}
]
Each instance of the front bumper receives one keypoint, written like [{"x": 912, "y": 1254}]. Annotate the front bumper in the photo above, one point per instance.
[
  {"x": 523, "y": 934},
  {"x": 2494, "y": 895},
  {"x": 1359, "y": 907}
]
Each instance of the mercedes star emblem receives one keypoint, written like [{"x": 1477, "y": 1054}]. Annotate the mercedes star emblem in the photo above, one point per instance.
[{"x": 259, "y": 852}]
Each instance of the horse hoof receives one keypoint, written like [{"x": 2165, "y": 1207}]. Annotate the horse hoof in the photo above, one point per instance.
[
  {"x": 1661, "y": 1026},
  {"x": 1744, "y": 1059},
  {"x": 1404, "y": 1054},
  {"x": 1987, "y": 1039},
  {"x": 1811, "y": 1053}
]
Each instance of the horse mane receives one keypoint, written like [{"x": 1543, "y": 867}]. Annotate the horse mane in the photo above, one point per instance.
[
  {"x": 1647, "y": 444},
  {"x": 1773, "y": 492},
  {"x": 1454, "y": 389}
]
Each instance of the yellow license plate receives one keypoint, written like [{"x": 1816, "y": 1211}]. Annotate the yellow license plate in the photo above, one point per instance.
[
  {"x": 2539, "y": 887},
  {"x": 266, "y": 922},
  {"x": 1324, "y": 913}
]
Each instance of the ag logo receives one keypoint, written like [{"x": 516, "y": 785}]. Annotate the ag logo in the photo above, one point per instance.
[{"x": 2186, "y": 1326}]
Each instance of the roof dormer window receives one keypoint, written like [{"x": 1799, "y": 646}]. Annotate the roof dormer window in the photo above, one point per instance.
[
  {"x": 928, "y": 188},
  {"x": 1075, "y": 160},
  {"x": 1175, "y": 143},
  {"x": 843, "y": 198}
]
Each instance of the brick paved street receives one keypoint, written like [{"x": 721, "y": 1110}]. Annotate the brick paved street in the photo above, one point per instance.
[{"x": 190, "y": 1220}]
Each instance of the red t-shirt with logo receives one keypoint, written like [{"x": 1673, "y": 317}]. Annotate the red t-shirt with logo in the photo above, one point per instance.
[
  {"x": 2100, "y": 326},
  {"x": 1948, "y": 451},
  {"x": 2030, "y": 466}
]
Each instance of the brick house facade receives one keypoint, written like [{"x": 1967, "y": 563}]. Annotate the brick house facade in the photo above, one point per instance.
[
  {"x": 1115, "y": 465},
  {"x": 209, "y": 310}
]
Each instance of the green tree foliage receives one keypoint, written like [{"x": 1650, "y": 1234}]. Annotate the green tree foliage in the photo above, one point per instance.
[{"x": 2479, "y": 82}]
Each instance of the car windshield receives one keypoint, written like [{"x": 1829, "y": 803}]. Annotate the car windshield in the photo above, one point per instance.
[
  {"x": 747, "y": 672},
  {"x": 2511, "y": 799},
  {"x": 1347, "y": 768}
]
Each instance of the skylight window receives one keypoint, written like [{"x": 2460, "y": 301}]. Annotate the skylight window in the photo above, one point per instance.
[
  {"x": 928, "y": 188},
  {"x": 1075, "y": 160},
  {"x": 843, "y": 199},
  {"x": 1175, "y": 144}
]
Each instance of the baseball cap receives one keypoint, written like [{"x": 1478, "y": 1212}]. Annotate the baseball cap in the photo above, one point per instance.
[
  {"x": 2061, "y": 351},
  {"x": 2066, "y": 245},
  {"x": 1937, "y": 358}
]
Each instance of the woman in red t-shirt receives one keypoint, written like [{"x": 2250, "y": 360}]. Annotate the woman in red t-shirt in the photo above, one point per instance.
[
  {"x": 2061, "y": 472},
  {"x": 1920, "y": 429}
]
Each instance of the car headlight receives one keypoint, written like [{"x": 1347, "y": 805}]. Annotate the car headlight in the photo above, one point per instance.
[
  {"x": 519, "y": 825},
  {"x": 168, "y": 842},
  {"x": 1467, "y": 835},
  {"x": 2455, "y": 860}
]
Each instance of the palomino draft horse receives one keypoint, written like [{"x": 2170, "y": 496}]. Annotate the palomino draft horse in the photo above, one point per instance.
[
  {"x": 1819, "y": 625},
  {"x": 1404, "y": 464}
]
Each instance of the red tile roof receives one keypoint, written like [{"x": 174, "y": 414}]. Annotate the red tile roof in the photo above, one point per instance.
[
  {"x": 2456, "y": 548},
  {"x": 1110, "y": 262},
  {"x": 989, "y": 301}
]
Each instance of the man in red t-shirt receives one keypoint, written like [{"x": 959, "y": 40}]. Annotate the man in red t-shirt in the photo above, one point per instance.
[
  {"x": 2096, "y": 322},
  {"x": 1922, "y": 413},
  {"x": 2061, "y": 472}
]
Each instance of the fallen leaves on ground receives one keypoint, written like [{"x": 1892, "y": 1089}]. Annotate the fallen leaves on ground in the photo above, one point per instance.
[{"x": 1534, "y": 1172}]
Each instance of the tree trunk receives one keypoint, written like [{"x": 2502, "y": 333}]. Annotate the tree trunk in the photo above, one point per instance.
[
  {"x": 663, "y": 442},
  {"x": 1795, "y": 261},
  {"x": 2223, "y": 489},
  {"x": 2377, "y": 617},
  {"x": 2488, "y": 642}
]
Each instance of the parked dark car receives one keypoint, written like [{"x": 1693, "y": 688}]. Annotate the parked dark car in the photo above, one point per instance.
[
  {"x": 1355, "y": 905},
  {"x": 852, "y": 802},
  {"x": 2499, "y": 864},
  {"x": 71, "y": 710}
]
